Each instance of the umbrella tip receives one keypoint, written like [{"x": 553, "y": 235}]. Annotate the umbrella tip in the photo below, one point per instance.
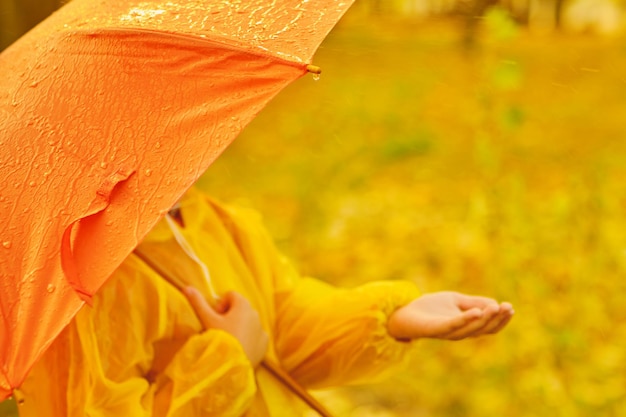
[{"x": 314, "y": 69}]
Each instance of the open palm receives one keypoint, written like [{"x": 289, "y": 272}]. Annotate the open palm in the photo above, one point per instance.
[{"x": 449, "y": 315}]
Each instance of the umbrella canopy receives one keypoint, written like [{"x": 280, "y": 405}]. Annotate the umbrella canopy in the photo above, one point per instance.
[{"x": 109, "y": 111}]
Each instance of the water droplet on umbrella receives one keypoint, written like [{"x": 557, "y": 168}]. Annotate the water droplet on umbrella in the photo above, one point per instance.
[
  {"x": 103, "y": 165},
  {"x": 32, "y": 183},
  {"x": 51, "y": 288},
  {"x": 157, "y": 145},
  {"x": 148, "y": 172},
  {"x": 316, "y": 77},
  {"x": 109, "y": 223},
  {"x": 7, "y": 244}
]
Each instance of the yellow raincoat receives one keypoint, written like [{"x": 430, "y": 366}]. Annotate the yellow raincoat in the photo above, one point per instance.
[{"x": 141, "y": 332}]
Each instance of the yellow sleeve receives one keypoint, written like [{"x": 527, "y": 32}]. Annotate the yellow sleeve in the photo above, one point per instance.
[
  {"x": 323, "y": 336},
  {"x": 328, "y": 336},
  {"x": 210, "y": 376},
  {"x": 142, "y": 334}
]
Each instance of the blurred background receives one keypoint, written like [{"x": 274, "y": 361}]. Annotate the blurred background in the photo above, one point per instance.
[{"x": 475, "y": 145}]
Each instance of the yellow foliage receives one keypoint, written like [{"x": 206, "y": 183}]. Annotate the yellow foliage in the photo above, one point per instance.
[{"x": 498, "y": 170}]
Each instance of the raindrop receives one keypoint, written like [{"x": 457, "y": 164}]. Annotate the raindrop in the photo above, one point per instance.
[
  {"x": 157, "y": 145},
  {"x": 109, "y": 223},
  {"x": 103, "y": 165},
  {"x": 32, "y": 183},
  {"x": 316, "y": 77},
  {"x": 7, "y": 244},
  {"x": 148, "y": 172},
  {"x": 51, "y": 288}
]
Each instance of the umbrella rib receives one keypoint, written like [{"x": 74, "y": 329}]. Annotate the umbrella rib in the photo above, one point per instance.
[
  {"x": 178, "y": 284},
  {"x": 216, "y": 41},
  {"x": 286, "y": 379}
]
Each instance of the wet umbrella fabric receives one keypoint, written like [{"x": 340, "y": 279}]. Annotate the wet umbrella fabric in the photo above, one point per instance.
[{"x": 109, "y": 111}]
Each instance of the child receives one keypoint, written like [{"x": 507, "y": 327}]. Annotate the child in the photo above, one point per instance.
[{"x": 149, "y": 349}]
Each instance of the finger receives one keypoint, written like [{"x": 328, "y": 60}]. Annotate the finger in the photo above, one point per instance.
[
  {"x": 507, "y": 307},
  {"x": 466, "y": 302},
  {"x": 491, "y": 325},
  {"x": 505, "y": 316},
  {"x": 238, "y": 302},
  {"x": 496, "y": 319},
  {"x": 457, "y": 323},
  {"x": 225, "y": 303},
  {"x": 222, "y": 305},
  {"x": 474, "y": 327},
  {"x": 501, "y": 325},
  {"x": 204, "y": 312}
]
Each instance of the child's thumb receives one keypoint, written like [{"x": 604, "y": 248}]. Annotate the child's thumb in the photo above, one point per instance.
[{"x": 207, "y": 316}]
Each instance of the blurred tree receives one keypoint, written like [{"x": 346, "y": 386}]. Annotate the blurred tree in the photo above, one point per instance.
[
  {"x": 19, "y": 16},
  {"x": 593, "y": 16}
]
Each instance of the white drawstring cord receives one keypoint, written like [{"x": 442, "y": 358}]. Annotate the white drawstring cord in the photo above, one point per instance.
[{"x": 190, "y": 252}]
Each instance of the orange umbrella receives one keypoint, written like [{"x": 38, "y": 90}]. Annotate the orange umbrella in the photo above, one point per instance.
[{"x": 109, "y": 111}]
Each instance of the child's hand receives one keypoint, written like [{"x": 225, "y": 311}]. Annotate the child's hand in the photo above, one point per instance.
[
  {"x": 235, "y": 315},
  {"x": 449, "y": 315}
]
